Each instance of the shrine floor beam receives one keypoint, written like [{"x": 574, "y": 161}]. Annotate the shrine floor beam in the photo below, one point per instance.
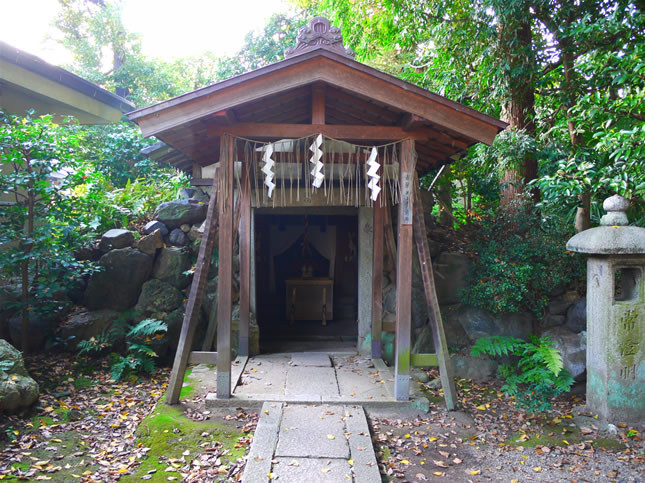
[
  {"x": 224, "y": 289},
  {"x": 404, "y": 274}
]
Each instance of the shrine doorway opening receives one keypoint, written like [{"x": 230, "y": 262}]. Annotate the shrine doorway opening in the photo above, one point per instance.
[{"x": 306, "y": 278}]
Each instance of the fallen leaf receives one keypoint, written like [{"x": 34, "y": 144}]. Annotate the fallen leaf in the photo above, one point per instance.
[
  {"x": 331, "y": 436},
  {"x": 474, "y": 472}
]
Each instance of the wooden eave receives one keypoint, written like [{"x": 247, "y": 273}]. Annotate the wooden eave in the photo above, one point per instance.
[{"x": 275, "y": 102}]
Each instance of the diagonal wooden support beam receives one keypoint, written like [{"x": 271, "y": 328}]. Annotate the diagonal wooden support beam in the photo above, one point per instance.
[
  {"x": 197, "y": 290},
  {"x": 436, "y": 324}
]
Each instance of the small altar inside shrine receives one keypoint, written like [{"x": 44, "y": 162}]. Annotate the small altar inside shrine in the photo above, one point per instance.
[{"x": 310, "y": 299}]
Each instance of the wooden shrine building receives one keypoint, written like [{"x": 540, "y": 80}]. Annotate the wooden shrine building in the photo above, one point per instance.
[{"x": 313, "y": 137}]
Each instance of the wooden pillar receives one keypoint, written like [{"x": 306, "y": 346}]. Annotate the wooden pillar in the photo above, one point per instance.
[
  {"x": 404, "y": 274},
  {"x": 245, "y": 261},
  {"x": 377, "y": 277},
  {"x": 224, "y": 289}
]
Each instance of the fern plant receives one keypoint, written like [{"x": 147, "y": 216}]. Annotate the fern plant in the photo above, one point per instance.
[
  {"x": 139, "y": 355},
  {"x": 536, "y": 378}
]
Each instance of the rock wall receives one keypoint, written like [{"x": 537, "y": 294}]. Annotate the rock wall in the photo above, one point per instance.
[
  {"x": 564, "y": 321},
  {"x": 149, "y": 275}
]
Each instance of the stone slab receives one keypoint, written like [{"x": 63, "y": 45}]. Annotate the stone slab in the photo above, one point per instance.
[
  {"x": 361, "y": 384},
  {"x": 264, "y": 443},
  {"x": 263, "y": 374},
  {"x": 360, "y": 446},
  {"x": 299, "y": 470},
  {"x": 312, "y": 431},
  {"x": 319, "y": 381},
  {"x": 310, "y": 359}
]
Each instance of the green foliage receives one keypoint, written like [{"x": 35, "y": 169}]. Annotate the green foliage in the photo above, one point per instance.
[
  {"x": 139, "y": 356},
  {"x": 99, "y": 206},
  {"x": 6, "y": 366},
  {"x": 263, "y": 47},
  {"x": 38, "y": 233},
  {"x": 521, "y": 259},
  {"x": 536, "y": 378},
  {"x": 107, "y": 54}
]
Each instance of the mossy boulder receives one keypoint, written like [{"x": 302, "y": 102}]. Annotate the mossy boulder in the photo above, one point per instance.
[
  {"x": 17, "y": 389},
  {"x": 173, "y": 214},
  {"x": 159, "y": 296},
  {"x": 171, "y": 266},
  {"x": 118, "y": 285}
]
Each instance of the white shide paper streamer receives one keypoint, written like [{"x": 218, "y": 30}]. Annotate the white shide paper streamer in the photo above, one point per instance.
[
  {"x": 372, "y": 172},
  {"x": 267, "y": 169},
  {"x": 316, "y": 172}
]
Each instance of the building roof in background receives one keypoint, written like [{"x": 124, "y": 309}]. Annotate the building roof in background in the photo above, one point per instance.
[{"x": 28, "y": 82}]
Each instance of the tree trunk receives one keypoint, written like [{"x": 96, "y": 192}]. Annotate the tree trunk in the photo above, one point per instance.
[
  {"x": 24, "y": 268},
  {"x": 583, "y": 214},
  {"x": 445, "y": 200},
  {"x": 519, "y": 110}
]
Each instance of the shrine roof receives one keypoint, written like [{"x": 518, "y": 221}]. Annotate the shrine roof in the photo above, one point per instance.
[{"x": 360, "y": 104}]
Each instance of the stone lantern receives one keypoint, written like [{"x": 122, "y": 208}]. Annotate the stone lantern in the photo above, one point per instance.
[{"x": 615, "y": 314}]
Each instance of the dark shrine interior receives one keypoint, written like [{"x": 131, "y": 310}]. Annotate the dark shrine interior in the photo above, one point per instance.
[{"x": 297, "y": 251}]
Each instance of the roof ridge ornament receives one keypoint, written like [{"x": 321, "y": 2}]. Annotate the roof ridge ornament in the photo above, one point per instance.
[{"x": 319, "y": 34}]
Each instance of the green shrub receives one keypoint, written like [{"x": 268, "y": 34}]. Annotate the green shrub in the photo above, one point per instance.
[
  {"x": 139, "y": 355},
  {"x": 537, "y": 378},
  {"x": 521, "y": 259}
]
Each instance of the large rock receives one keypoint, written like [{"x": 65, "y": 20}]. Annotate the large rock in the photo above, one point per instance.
[
  {"x": 118, "y": 285},
  {"x": 479, "y": 369},
  {"x": 41, "y": 329},
  {"x": 85, "y": 325},
  {"x": 558, "y": 306},
  {"x": 572, "y": 347},
  {"x": 177, "y": 238},
  {"x": 159, "y": 296},
  {"x": 455, "y": 337},
  {"x": 175, "y": 213},
  {"x": 149, "y": 244},
  {"x": 196, "y": 232},
  {"x": 116, "y": 238},
  {"x": 171, "y": 266},
  {"x": 7, "y": 299},
  {"x": 577, "y": 316},
  {"x": 174, "y": 320},
  {"x": 154, "y": 225},
  {"x": 550, "y": 321},
  {"x": 451, "y": 270},
  {"x": 17, "y": 389},
  {"x": 481, "y": 323}
]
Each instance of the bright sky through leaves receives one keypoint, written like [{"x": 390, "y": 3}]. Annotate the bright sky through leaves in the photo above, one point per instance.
[{"x": 169, "y": 28}]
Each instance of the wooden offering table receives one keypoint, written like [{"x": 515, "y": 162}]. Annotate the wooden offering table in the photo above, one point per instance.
[{"x": 310, "y": 299}]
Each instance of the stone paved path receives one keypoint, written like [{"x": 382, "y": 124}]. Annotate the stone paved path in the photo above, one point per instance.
[
  {"x": 311, "y": 443},
  {"x": 311, "y": 377}
]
